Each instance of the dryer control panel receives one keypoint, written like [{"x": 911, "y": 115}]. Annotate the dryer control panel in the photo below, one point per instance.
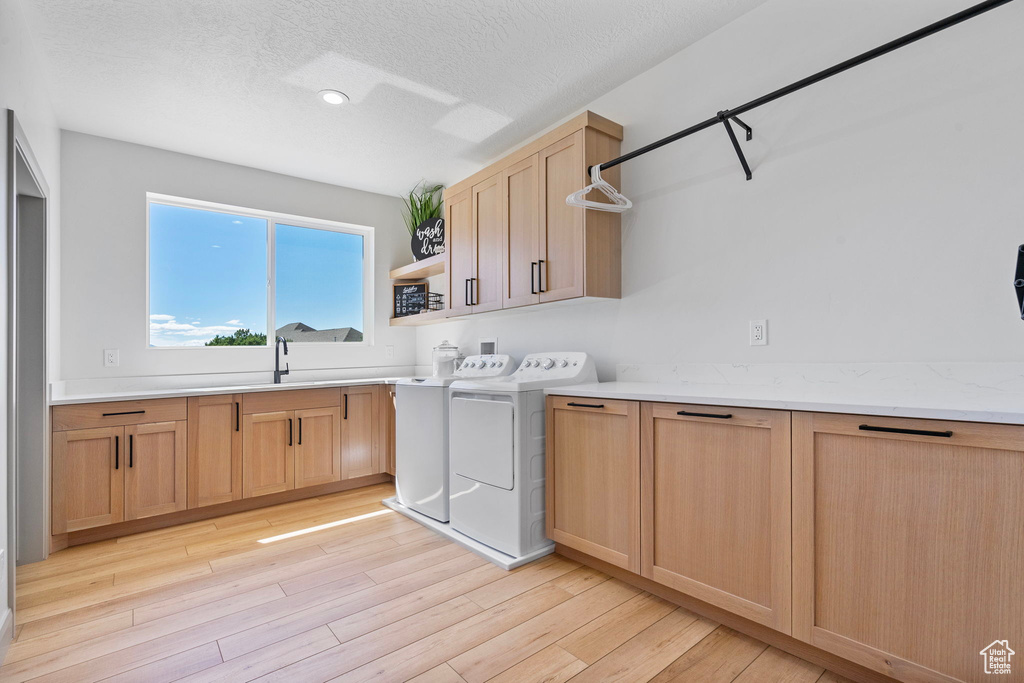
[
  {"x": 565, "y": 367},
  {"x": 486, "y": 365}
]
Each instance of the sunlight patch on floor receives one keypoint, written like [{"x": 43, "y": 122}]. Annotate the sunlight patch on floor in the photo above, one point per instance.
[{"x": 312, "y": 529}]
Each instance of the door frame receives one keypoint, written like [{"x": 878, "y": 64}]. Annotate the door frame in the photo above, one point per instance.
[{"x": 22, "y": 168}]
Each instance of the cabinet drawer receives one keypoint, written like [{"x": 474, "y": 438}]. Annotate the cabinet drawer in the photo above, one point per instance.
[
  {"x": 117, "y": 413},
  {"x": 290, "y": 399},
  {"x": 592, "y": 405}
]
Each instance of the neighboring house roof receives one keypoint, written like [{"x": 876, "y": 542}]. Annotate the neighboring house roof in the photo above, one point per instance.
[{"x": 300, "y": 332}]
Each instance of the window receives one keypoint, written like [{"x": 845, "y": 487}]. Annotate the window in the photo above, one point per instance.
[{"x": 224, "y": 276}]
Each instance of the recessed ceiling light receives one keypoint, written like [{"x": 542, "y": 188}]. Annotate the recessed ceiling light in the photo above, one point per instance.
[{"x": 333, "y": 96}]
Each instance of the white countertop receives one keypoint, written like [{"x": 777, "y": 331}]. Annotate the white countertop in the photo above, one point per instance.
[
  {"x": 66, "y": 399},
  {"x": 967, "y": 405}
]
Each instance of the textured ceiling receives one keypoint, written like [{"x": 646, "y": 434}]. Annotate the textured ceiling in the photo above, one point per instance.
[{"x": 438, "y": 87}]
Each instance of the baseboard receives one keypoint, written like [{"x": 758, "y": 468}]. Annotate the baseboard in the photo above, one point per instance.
[
  {"x": 797, "y": 648},
  {"x": 103, "y": 533},
  {"x": 6, "y": 634}
]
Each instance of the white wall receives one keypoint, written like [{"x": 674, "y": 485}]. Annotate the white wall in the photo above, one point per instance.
[
  {"x": 104, "y": 241},
  {"x": 21, "y": 89},
  {"x": 881, "y": 224}
]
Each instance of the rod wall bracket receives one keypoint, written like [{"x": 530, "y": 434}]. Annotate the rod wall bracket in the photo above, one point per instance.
[
  {"x": 724, "y": 117},
  {"x": 1018, "y": 282}
]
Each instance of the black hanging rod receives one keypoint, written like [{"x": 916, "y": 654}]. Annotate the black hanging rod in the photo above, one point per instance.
[{"x": 724, "y": 117}]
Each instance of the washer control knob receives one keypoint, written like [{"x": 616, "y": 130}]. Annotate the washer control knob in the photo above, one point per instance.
[
  {"x": 549, "y": 363},
  {"x": 500, "y": 364},
  {"x": 563, "y": 363},
  {"x": 471, "y": 364}
]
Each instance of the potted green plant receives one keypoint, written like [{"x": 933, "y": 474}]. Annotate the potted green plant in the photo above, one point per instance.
[{"x": 423, "y": 216}]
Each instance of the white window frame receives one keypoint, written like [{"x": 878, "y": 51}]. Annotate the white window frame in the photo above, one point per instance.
[{"x": 273, "y": 218}]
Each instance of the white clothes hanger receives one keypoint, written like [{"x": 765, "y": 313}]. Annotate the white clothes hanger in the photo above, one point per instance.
[{"x": 619, "y": 203}]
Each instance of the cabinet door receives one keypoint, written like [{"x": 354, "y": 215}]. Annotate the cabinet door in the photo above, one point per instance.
[
  {"x": 317, "y": 446},
  {"x": 593, "y": 478},
  {"x": 460, "y": 250},
  {"x": 88, "y": 478},
  {"x": 716, "y": 506},
  {"x": 358, "y": 432},
  {"x": 485, "y": 289},
  {"x": 561, "y": 172},
  {"x": 907, "y": 550},
  {"x": 387, "y": 419},
  {"x": 214, "y": 450},
  {"x": 268, "y": 453},
  {"x": 519, "y": 208},
  {"x": 155, "y": 481}
]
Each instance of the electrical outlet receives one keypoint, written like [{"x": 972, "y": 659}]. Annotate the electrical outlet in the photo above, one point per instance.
[
  {"x": 758, "y": 332},
  {"x": 389, "y": 351},
  {"x": 111, "y": 358}
]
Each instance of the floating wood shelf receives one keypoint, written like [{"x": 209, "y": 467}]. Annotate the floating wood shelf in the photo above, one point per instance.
[
  {"x": 421, "y": 269},
  {"x": 420, "y": 318}
]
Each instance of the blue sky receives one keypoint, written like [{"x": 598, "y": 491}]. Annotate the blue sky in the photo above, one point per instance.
[{"x": 208, "y": 276}]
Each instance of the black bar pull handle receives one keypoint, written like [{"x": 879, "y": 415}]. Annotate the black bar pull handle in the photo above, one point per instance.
[
  {"x": 117, "y": 452},
  {"x": 126, "y": 412},
  {"x": 131, "y": 450},
  {"x": 289, "y": 431},
  {"x": 300, "y": 431},
  {"x": 541, "y": 269},
  {"x": 716, "y": 416},
  {"x": 346, "y": 407},
  {"x": 533, "y": 277},
  {"x": 474, "y": 292},
  {"x": 238, "y": 416},
  {"x": 465, "y": 290},
  {"x": 585, "y": 405},
  {"x": 897, "y": 430}
]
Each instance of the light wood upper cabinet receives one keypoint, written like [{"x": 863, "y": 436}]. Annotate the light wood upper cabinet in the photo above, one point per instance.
[
  {"x": 520, "y": 197},
  {"x": 561, "y": 227},
  {"x": 317, "y": 446},
  {"x": 485, "y": 286},
  {"x": 214, "y": 449},
  {"x": 268, "y": 453},
  {"x": 512, "y": 240},
  {"x": 359, "y": 427},
  {"x": 907, "y": 550},
  {"x": 716, "y": 507},
  {"x": 88, "y": 478},
  {"x": 154, "y": 482},
  {"x": 459, "y": 251},
  {"x": 593, "y": 478}
]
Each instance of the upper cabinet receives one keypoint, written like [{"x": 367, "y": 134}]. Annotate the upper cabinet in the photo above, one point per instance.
[{"x": 513, "y": 241}]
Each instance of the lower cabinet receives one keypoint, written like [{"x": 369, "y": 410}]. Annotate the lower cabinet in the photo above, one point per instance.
[
  {"x": 88, "y": 482},
  {"x": 317, "y": 446},
  {"x": 268, "y": 453},
  {"x": 359, "y": 452},
  {"x": 214, "y": 449},
  {"x": 593, "y": 478},
  {"x": 908, "y": 542},
  {"x": 155, "y": 480},
  {"x": 112, "y": 474},
  {"x": 716, "y": 507}
]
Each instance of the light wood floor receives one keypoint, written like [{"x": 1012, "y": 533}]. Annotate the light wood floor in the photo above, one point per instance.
[{"x": 378, "y": 598}]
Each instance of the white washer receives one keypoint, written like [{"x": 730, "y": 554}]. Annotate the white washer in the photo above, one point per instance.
[
  {"x": 421, "y": 434},
  {"x": 496, "y": 451}
]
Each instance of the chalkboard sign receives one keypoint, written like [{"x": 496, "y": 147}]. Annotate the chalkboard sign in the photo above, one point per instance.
[
  {"x": 410, "y": 298},
  {"x": 428, "y": 240}
]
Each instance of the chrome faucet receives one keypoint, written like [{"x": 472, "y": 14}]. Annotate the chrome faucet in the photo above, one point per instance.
[{"x": 278, "y": 372}]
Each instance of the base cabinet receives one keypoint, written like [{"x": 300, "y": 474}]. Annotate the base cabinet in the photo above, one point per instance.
[
  {"x": 155, "y": 479},
  {"x": 214, "y": 449},
  {"x": 359, "y": 452},
  {"x": 593, "y": 478},
  {"x": 268, "y": 453},
  {"x": 908, "y": 543},
  {"x": 716, "y": 507},
  {"x": 317, "y": 446},
  {"x": 88, "y": 482}
]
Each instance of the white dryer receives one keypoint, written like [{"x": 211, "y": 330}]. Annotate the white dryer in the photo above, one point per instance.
[
  {"x": 421, "y": 434},
  {"x": 496, "y": 453}
]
